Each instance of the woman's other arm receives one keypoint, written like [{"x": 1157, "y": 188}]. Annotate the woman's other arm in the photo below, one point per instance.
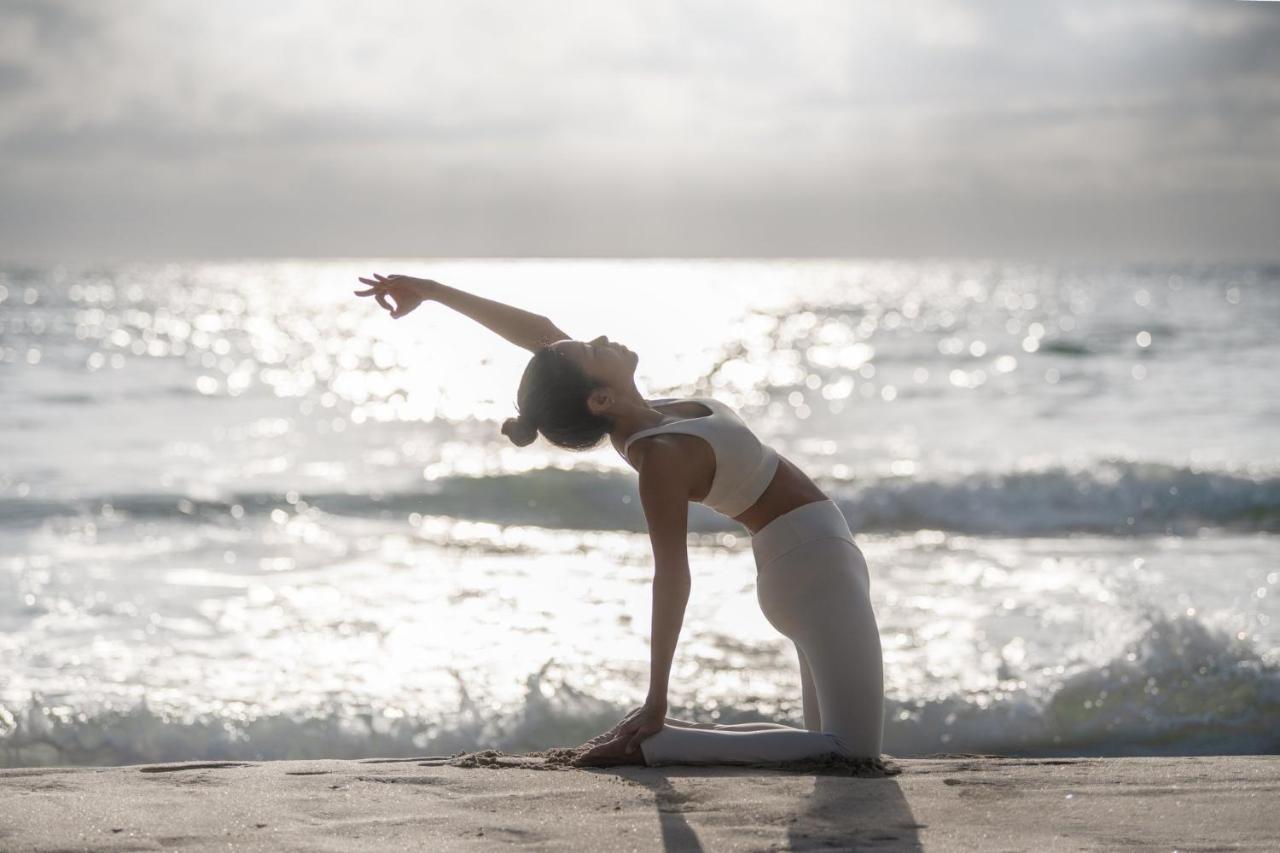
[
  {"x": 664, "y": 494},
  {"x": 523, "y": 328}
]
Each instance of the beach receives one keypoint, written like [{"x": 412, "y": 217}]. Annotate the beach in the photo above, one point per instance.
[{"x": 937, "y": 804}]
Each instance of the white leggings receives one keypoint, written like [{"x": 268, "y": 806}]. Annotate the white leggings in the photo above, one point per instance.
[{"x": 812, "y": 585}]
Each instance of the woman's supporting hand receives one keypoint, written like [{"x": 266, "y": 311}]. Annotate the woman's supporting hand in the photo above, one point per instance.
[
  {"x": 623, "y": 741},
  {"x": 407, "y": 292},
  {"x": 648, "y": 722}
]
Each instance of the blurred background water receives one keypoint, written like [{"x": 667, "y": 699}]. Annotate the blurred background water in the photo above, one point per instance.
[{"x": 245, "y": 514}]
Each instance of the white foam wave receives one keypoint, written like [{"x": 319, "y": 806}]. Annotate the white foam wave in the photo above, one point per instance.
[{"x": 1179, "y": 688}]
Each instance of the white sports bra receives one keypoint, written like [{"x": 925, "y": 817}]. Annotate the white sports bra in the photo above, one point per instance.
[{"x": 744, "y": 464}]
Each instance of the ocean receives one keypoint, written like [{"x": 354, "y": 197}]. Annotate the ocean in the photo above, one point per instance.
[{"x": 245, "y": 514}]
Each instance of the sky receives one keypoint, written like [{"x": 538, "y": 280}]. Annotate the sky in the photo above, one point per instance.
[{"x": 1054, "y": 129}]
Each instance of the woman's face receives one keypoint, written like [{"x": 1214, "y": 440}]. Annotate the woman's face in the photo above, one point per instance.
[{"x": 601, "y": 359}]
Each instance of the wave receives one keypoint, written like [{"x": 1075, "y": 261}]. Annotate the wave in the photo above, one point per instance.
[
  {"x": 1112, "y": 497},
  {"x": 1180, "y": 688}
]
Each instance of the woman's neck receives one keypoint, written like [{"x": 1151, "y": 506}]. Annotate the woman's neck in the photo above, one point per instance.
[{"x": 632, "y": 414}]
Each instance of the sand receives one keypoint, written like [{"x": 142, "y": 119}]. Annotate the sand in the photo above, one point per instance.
[{"x": 491, "y": 801}]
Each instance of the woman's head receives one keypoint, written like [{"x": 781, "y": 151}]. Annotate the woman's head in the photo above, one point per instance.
[{"x": 567, "y": 391}]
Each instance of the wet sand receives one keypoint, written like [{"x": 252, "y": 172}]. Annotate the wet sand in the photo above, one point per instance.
[{"x": 949, "y": 803}]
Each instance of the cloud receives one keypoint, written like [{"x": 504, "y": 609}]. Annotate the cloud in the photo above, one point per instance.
[{"x": 650, "y": 128}]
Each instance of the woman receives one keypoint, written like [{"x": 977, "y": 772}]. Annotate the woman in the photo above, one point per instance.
[{"x": 812, "y": 581}]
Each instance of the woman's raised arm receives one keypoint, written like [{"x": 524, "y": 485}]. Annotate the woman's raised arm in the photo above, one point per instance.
[{"x": 523, "y": 328}]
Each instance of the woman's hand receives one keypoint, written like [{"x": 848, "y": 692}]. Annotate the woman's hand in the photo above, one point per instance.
[
  {"x": 407, "y": 292},
  {"x": 648, "y": 722},
  {"x": 626, "y": 737}
]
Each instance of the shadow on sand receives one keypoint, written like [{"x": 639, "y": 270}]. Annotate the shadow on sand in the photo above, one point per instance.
[{"x": 838, "y": 813}]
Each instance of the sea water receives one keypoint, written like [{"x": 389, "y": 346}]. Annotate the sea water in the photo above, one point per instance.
[{"x": 244, "y": 513}]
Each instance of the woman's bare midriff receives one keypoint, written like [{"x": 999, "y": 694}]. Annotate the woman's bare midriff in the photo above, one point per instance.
[{"x": 789, "y": 488}]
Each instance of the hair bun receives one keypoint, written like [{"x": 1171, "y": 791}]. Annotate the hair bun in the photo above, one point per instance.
[{"x": 521, "y": 431}]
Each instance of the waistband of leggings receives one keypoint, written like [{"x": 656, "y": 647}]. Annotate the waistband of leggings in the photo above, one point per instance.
[{"x": 816, "y": 520}]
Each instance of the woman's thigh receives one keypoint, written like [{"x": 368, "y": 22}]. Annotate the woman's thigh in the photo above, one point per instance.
[
  {"x": 819, "y": 596},
  {"x": 819, "y": 578}
]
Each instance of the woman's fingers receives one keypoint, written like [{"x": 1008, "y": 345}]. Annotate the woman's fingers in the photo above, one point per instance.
[
  {"x": 380, "y": 287},
  {"x": 384, "y": 287},
  {"x": 596, "y": 749},
  {"x": 640, "y": 734},
  {"x": 601, "y": 755},
  {"x": 629, "y": 732}
]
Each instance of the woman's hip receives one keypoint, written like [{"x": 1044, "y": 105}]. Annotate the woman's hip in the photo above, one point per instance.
[
  {"x": 819, "y": 585},
  {"x": 804, "y": 524}
]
